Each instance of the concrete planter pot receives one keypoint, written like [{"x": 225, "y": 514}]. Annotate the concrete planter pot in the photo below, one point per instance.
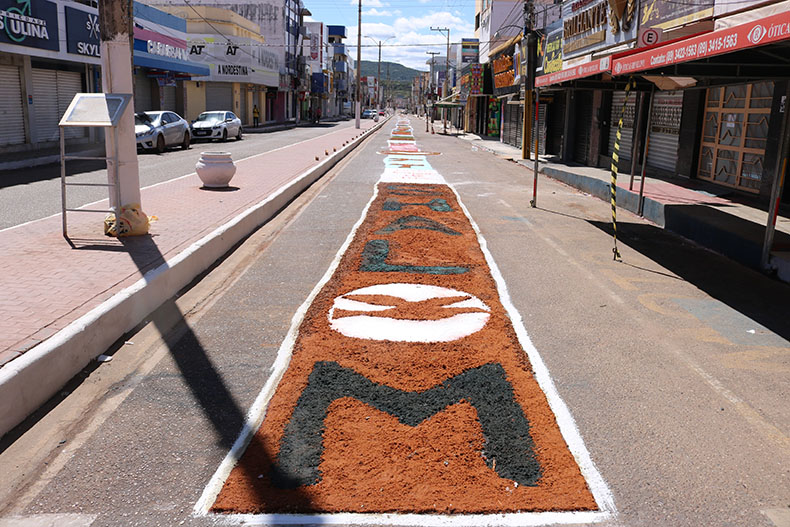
[{"x": 215, "y": 169}]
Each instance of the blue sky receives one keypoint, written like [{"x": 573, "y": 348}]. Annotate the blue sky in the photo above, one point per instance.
[{"x": 407, "y": 22}]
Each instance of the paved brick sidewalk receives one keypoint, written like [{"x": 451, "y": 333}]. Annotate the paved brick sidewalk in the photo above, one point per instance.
[{"x": 46, "y": 284}]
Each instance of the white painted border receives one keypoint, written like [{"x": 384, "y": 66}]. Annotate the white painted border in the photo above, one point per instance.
[
  {"x": 257, "y": 412},
  {"x": 600, "y": 491}
]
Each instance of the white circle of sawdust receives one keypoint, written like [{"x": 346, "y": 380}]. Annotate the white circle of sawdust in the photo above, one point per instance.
[{"x": 349, "y": 313}]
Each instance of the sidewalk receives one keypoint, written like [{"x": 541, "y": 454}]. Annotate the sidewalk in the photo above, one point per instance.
[
  {"x": 711, "y": 216},
  {"x": 62, "y": 305}
]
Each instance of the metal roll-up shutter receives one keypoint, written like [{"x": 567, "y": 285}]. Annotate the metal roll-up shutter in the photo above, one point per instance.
[
  {"x": 539, "y": 127},
  {"x": 583, "y": 107},
  {"x": 13, "y": 117},
  {"x": 219, "y": 96},
  {"x": 627, "y": 134},
  {"x": 519, "y": 111},
  {"x": 142, "y": 93},
  {"x": 243, "y": 106},
  {"x": 169, "y": 102},
  {"x": 45, "y": 106},
  {"x": 69, "y": 84},
  {"x": 511, "y": 124},
  {"x": 662, "y": 152}
]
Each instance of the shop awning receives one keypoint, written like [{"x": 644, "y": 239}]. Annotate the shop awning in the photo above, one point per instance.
[
  {"x": 579, "y": 71},
  {"x": 752, "y": 34},
  {"x": 149, "y": 60}
]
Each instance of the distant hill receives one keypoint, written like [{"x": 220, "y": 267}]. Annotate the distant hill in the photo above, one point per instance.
[{"x": 398, "y": 72}]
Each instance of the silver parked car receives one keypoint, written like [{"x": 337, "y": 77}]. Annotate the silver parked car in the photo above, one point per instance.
[
  {"x": 158, "y": 130},
  {"x": 216, "y": 125}
]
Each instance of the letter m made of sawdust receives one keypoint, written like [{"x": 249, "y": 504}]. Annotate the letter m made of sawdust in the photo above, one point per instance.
[{"x": 509, "y": 449}]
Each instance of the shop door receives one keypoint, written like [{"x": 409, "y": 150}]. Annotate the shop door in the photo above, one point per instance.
[
  {"x": 52, "y": 93},
  {"x": 169, "y": 98},
  {"x": 13, "y": 117},
  {"x": 583, "y": 113},
  {"x": 219, "y": 96},
  {"x": 142, "y": 92},
  {"x": 627, "y": 134},
  {"x": 662, "y": 152},
  {"x": 734, "y": 134}
]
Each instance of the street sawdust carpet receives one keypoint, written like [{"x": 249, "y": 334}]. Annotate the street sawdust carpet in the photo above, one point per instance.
[{"x": 366, "y": 425}]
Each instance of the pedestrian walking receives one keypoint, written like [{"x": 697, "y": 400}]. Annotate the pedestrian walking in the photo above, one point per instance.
[
  {"x": 318, "y": 115},
  {"x": 256, "y": 116}
]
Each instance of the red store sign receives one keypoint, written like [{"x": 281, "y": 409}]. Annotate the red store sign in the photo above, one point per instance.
[
  {"x": 576, "y": 72},
  {"x": 764, "y": 31}
]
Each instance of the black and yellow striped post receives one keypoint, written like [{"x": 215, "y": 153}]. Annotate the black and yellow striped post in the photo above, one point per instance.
[{"x": 615, "y": 160}]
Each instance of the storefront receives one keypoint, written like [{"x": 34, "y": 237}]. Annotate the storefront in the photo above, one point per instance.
[
  {"x": 44, "y": 61},
  {"x": 161, "y": 61},
  {"x": 239, "y": 73}
]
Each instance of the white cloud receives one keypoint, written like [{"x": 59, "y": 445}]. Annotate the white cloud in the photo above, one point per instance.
[
  {"x": 368, "y": 3},
  {"x": 412, "y": 37},
  {"x": 376, "y": 12}
]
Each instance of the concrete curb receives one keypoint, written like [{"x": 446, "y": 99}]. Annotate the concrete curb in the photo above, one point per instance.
[
  {"x": 30, "y": 380},
  {"x": 628, "y": 200}
]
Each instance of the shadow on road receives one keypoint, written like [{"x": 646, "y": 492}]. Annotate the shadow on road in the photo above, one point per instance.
[
  {"x": 758, "y": 297},
  {"x": 201, "y": 375}
]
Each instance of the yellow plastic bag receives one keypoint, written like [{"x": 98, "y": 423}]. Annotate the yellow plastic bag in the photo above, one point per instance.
[{"x": 133, "y": 222}]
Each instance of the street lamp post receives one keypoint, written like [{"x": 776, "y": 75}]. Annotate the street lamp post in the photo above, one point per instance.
[{"x": 446, "y": 71}]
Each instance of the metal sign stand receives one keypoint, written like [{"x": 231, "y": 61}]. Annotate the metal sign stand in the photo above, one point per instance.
[{"x": 102, "y": 110}]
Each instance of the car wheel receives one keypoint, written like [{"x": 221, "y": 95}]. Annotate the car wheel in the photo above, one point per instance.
[
  {"x": 238, "y": 135},
  {"x": 224, "y": 135},
  {"x": 160, "y": 144},
  {"x": 187, "y": 140}
]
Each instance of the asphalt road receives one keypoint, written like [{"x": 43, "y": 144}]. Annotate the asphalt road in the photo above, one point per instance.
[
  {"x": 32, "y": 193},
  {"x": 674, "y": 362}
]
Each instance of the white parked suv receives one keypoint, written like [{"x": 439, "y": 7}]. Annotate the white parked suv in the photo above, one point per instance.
[{"x": 216, "y": 125}]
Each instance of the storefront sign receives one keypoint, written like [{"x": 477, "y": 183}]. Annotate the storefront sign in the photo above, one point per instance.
[
  {"x": 475, "y": 79},
  {"x": 666, "y": 14},
  {"x": 576, "y": 72},
  {"x": 237, "y": 60},
  {"x": 552, "y": 60},
  {"x": 82, "y": 32},
  {"x": 166, "y": 50},
  {"x": 314, "y": 46},
  {"x": 470, "y": 50},
  {"x": 28, "y": 23},
  {"x": 765, "y": 31},
  {"x": 503, "y": 71},
  {"x": 591, "y": 25}
]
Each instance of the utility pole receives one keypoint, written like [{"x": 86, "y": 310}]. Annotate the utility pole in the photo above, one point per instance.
[
  {"x": 358, "y": 109},
  {"x": 446, "y": 71},
  {"x": 388, "y": 91},
  {"x": 378, "y": 85},
  {"x": 116, "y": 23},
  {"x": 527, "y": 126},
  {"x": 430, "y": 86}
]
